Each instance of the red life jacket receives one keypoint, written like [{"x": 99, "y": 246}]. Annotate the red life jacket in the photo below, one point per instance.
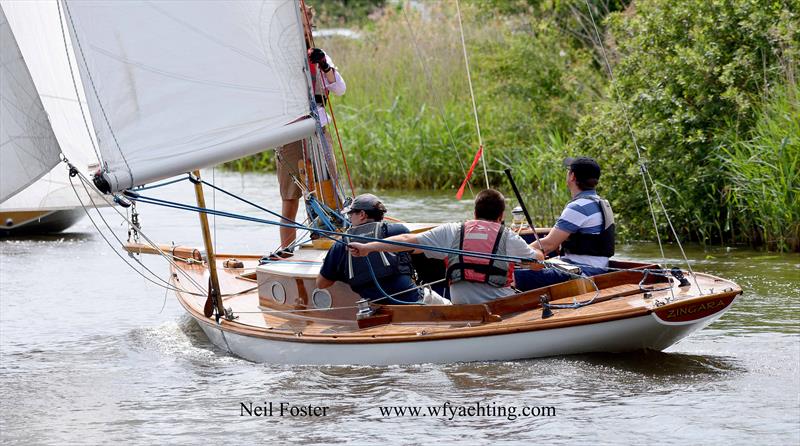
[{"x": 484, "y": 237}]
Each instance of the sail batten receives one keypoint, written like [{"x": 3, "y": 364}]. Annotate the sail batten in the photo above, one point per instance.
[
  {"x": 28, "y": 146},
  {"x": 174, "y": 86}
]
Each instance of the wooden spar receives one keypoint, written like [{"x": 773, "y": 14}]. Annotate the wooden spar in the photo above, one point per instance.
[
  {"x": 178, "y": 252},
  {"x": 214, "y": 296}
]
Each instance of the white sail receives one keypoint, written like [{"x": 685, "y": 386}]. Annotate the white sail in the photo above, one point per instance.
[
  {"x": 48, "y": 54},
  {"x": 28, "y": 146},
  {"x": 174, "y": 86}
]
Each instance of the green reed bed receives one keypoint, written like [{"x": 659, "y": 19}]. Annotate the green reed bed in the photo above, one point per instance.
[{"x": 764, "y": 175}]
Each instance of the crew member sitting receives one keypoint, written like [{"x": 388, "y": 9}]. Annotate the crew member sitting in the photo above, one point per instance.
[
  {"x": 472, "y": 279},
  {"x": 392, "y": 271},
  {"x": 585, "y": 229}
]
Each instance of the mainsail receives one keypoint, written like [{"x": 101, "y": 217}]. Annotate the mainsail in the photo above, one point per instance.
[
  {"x": 28, "y": 146},
  {"x": 174, "y": 86}
]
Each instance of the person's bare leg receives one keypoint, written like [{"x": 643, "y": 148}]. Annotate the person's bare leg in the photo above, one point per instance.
[{"x": 289, "y": 210}]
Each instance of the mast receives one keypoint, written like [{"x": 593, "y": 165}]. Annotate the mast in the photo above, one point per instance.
[{"x": 214, "y": 295}]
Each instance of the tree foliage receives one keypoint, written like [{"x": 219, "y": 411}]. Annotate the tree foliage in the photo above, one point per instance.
[{"x": 685, "y": 77}]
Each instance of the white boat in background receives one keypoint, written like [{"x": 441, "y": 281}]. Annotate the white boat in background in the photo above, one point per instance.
[
  {"x": 215, "y": 81},
  {"x": 47, "y": 99}
]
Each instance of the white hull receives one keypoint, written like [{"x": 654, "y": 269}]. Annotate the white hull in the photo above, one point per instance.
[{"x": 631, "y": 334}]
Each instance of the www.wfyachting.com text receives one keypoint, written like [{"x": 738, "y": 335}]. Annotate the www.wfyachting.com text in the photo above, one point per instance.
[{"x": 451, "y": 411}]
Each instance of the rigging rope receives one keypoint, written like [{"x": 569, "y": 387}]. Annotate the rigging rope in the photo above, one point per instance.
[
  {"x": 83, "y": 182},
  {"x": 75, "y": 83},
  {"x": 169, "y": 259},
  {"x": 642, "y": 164},
  {"x": 331, "y": 234},
  {"x": 310, "y": 36},
  {"x": 472, "y": 95},
  {"x": 432, "y": 90},
  {"x": 96, "y": 94}
]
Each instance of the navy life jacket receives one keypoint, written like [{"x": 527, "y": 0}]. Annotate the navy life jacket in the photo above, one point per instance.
[
  {"x": 602, "y": 244},
  {"x": 384, "y": 264}
]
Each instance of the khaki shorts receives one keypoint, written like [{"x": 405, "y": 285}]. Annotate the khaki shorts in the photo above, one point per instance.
[{"x": 288, "y": 163}]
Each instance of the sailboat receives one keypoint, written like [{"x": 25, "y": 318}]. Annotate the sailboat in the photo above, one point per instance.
[
  {"x": 222, "y": 80},
  {"x": 49, "y": 204}
]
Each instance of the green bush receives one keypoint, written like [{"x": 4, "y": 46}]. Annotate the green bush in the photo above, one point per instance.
[{"x": 685, "y": 76}]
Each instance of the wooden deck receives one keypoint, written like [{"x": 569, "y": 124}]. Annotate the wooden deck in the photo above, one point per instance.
[{"x": 296, "y": 320}]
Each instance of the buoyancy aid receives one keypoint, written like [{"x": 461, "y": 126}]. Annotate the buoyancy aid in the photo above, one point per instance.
[
  {"x": 602, "y": 244},
  {"x": 384, "y": 264},
  {"x": 485, "y": 237}
]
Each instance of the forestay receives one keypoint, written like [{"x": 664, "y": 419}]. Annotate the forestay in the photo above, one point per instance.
[
  {"x": 28, "y": 146},
  {"x": 175, "y": 86}
]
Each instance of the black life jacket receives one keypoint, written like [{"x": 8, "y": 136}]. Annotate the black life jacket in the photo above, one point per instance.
[
  {"x": 384, "y": 264},
  {"x": 602, "y": 244}
]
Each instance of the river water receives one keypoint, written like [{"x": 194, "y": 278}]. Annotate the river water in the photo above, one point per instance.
[{"x": 91, "y": 352}]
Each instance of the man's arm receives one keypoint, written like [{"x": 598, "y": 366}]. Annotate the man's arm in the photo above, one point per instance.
[
  {"x": 552, "y": 241},
  {"x": 324, "y": 282},
  {"x": 362, "y": 249}
]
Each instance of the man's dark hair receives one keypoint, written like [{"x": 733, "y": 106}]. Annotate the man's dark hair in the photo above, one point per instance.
[
  {"x": 375, "y": 214},
  {"x": 489, "y": 205},
  {"x": 587, "y": 184},
  {"x": 586, "y": 170}
]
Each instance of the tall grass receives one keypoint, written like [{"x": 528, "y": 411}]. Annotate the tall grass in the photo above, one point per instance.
[
  {"x": 407, "y": 121},
  {"x": 764, "y": 175}
]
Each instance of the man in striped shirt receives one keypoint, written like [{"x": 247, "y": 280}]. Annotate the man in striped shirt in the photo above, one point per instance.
[{"x": 585, "y": 229}]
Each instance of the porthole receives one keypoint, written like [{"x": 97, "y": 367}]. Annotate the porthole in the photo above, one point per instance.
[
  {"x": 321, "y": 299},
  {"x": 278, "y": 292}
]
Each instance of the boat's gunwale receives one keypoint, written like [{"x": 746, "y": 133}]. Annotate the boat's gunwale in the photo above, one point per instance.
[{"x": 487, "y": 329}]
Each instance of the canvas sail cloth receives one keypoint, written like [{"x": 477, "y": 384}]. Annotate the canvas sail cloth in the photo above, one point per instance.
[
  {"x": 28, "y": 146},
  {"x": 174, "y": 86},
  {"x": 47, "y": 51}
]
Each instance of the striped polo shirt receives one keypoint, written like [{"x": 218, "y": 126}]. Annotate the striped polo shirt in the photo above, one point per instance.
[{"x": 584, "y": 216}]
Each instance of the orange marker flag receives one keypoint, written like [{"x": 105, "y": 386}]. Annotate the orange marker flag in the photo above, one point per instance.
[{"x": 478, "y": 155}]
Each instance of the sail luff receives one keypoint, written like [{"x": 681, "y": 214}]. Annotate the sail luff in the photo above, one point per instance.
[
  {"x": 28, "y": 146},
  {"x": 208, "y": 82}
]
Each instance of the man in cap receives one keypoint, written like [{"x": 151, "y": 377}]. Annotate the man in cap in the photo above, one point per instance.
[
  {"x": 585, "y": 229},
  {"x": 473, "y": 280},
  {"x": 392, "y": 271}
]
